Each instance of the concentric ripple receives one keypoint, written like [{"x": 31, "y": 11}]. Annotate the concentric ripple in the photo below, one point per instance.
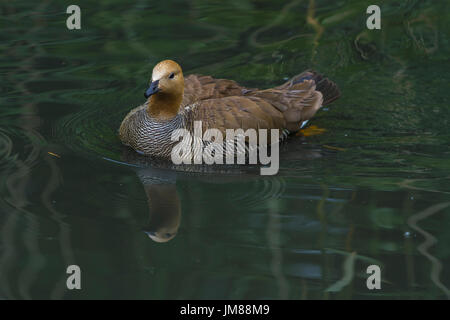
[{"x": 93, "y": 130}]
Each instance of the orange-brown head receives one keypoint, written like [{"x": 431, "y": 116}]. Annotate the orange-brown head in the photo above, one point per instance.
[{"x": 166, "y": 90}]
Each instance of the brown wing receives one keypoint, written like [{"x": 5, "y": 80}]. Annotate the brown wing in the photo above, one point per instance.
[
  {"x": 198, "y": 87},
  {"x": 298, "y": 102},
  {"x": 236, "y": 112},
  {"x": 265, "y": 109},
  {"x": 328, "y": 88},
  {"x": 223, "y": 104}
]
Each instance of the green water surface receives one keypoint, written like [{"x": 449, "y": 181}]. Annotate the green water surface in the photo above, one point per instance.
[{"x": 372, "y": 189}]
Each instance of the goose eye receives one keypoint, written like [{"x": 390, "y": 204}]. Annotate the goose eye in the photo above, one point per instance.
[{"x": 172, "y": 75}]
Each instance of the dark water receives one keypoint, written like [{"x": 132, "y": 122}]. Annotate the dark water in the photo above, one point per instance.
[{"x": 373, "y": 188}]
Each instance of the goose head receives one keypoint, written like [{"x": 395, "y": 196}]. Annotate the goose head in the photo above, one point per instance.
[{"x": 166, "y": 89}]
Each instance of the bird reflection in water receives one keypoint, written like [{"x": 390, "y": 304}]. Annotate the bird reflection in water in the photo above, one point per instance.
[
  {"x": 159, "y": 179},
  {"x": 164, "y": 211}
]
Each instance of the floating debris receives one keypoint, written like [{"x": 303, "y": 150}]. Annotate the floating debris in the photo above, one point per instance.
[
  {"x": 333, "y": 148},
  {"x": 54, "y": 154}
]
